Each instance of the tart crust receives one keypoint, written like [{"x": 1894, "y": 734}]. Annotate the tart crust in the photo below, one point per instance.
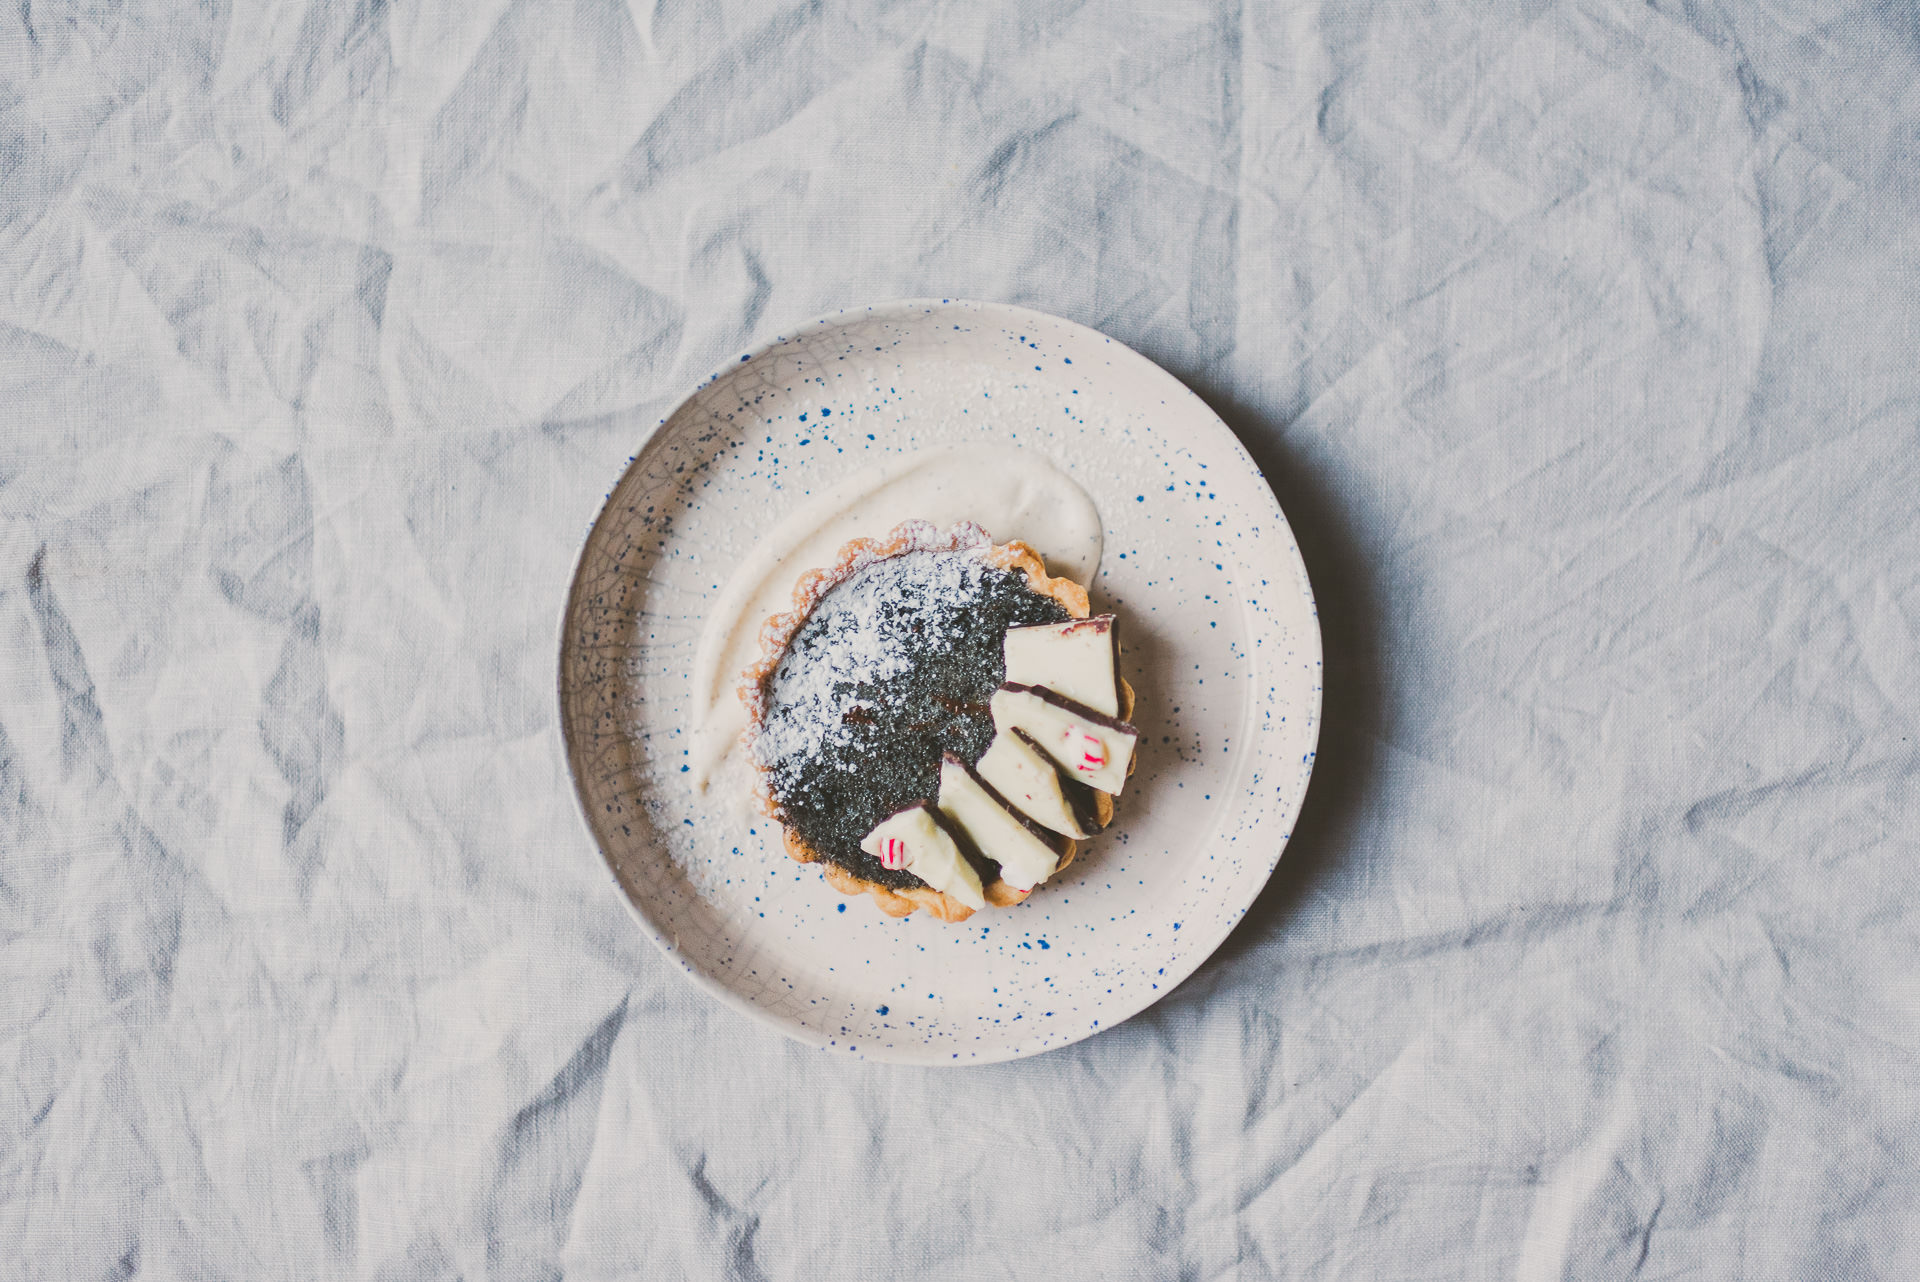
[{"x": 779, "y": 630}]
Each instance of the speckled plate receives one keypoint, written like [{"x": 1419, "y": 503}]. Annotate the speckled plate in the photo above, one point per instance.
[{"x": 1223, "y": 648}]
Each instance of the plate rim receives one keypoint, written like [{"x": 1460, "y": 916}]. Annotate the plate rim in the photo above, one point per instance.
[{"x": 725, "y": 994}]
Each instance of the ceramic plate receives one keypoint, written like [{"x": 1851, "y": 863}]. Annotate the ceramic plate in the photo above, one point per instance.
[{"x": 1223, "y": 649}]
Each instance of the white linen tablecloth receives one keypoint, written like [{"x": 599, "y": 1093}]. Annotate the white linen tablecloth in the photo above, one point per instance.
[{"x": 1581, "y": 343}]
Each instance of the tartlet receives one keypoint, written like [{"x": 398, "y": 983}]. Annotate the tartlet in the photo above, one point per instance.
[{"x": 881, "y": 695}]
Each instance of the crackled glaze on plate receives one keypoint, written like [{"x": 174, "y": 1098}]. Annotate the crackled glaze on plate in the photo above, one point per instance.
[{"x": 1223, "y": 647}]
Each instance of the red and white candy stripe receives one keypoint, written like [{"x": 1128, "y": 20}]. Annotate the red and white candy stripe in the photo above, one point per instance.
[{"x": 1092, "y": 754}]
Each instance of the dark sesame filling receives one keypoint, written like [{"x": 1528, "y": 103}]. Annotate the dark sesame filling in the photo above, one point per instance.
[{"x": 894, "y": 667}]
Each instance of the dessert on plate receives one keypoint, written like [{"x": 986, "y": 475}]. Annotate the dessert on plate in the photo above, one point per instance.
[{"x": 937, "y": 721}]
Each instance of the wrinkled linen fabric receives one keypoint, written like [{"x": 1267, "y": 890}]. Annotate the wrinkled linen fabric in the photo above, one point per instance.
[{"x": 1577, "y": 340}]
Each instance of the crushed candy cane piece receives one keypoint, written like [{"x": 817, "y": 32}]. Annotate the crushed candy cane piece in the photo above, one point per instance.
[{"x": 1091, "y": 754}]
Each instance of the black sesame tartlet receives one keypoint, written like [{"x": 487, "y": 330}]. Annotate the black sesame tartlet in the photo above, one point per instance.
[{"x": 937, "y": 721}]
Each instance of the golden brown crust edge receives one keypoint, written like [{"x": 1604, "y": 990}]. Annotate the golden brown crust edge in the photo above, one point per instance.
[{"x": 779, "y": 630}]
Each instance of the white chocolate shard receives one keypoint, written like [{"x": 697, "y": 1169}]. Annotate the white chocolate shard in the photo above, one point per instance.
[
  {"x": 1078, "y": 659},
  {"x": 915, "y": 840},
  {"x": 1093, "y": 748},
  {"x": 1031, "y": 781},
  {"x": 1026, "y": 853}
]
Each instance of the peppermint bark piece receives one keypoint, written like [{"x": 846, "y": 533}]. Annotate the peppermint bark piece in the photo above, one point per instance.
[
  {"x": 1026, "y": 852},
  {"x": 915, "y": 839},
  {"x": 1036, "y": 785},
  {"x": 1079, "y": 658},
  {"x": 1092, "y": 747}
]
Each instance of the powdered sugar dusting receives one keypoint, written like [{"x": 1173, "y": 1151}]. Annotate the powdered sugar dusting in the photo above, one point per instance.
[
  {"x": 878, "y": 623},
  {"x": 908, "y": 536}
]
